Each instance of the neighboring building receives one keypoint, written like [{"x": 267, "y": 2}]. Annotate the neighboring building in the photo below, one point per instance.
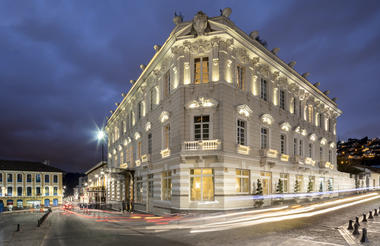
[
  {"x": 354, "y": 152},
  {"x": 30, "y": 184},
  {"x": 96, "y": 185},
  {"x": 80, "y": 191},
  {"x": 213, "y": 112}
]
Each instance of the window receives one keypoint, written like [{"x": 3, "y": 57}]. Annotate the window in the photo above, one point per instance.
[
  {"x": 47, "y": 178},
  {"x": 263, "y": 90},
  {"x": 317, "y": 119},
  {"x": 301, "y": 148},
  {"x": 201, "y": 127},
  {"x": 264, "y": 138},
  {"x": 285, "y": 182},
  {"x": 28, "y": 178},
  {"x": 320, "y": 153},
  {"x": 152, "y": 98},
  {"x": 38, "y": 191},
  {"x": 310, "y": 150},
  {"x": 201, "y": 70},
  {"x": 300, "y": 109},
  {"x": 19, "y": 191},
  {"x": 138, "y": 149},
  {"x": 167, "y": 84},
  {"x": 266, "y": 178},
  {"x": 311, "y": 183},
  {"x": 282, "y": 99},
  {"x": 283, "y": 144},
  {"x": 55, "y": 178},
  {"x": 150, "y": 185},
  {"x": 10, "y": 177},
  {"x": 166, "y": 136},
  {"x": 294, "y": 105},
  {"x": 9, "y": 191},
  {"x": 240, "y": 77},
  {"x": 241, "y": 139},
  {"x": 202, "y": 184},
  {"x": 310, "y": 113},
  {"x": 130, "y": 154},
  {"x": 242, "y": 180},
  {"x": 139, "y": 190},
  {"x": 295, "y": 147},
  {"x": 19, "y": 178},
  {"x": 55, "y": 191},
  {"x": 124, "y": 126},
  {"x": 139, "y": 110},
  {"x": 46, "y": 191},
  {"x": 166, "y": 185},
  {"x": 150, "y": 143},
  {"x": 330, "y": 156},
  {"x": 1, "y": 177},
  {"x": 320, "y": 123},
  {"x": 299, "y": 179},
  {"x": 29, "y": 191}
]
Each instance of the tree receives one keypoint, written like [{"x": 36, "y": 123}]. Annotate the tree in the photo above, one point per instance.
[
  {"x": 280, "y": 186},
  {"x": 297, "y": 187},
  {"x": 321, "y": 187},
  {"x": 310, "y": 186},
  {"x": 259, "y": 192},
  {"x": 330, "y": 188}
]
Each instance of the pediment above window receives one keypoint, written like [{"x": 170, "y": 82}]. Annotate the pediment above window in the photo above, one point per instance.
[
  {"x": 164, "y": 116},
  {"x": 297, "y": 129},
  {"x": 267, "y": 119},
  {"x": 137, "y": 136},
  {"x": 148, "y": 126},
  {"x": 244, "y": 110},
  {"x": 323, "y": 141},
  {"x": 313, "y": 137},
  {"x": 202, "y": 102},
  {"x": 332, "y": 144},
  {"x": 285, "y": 126}
]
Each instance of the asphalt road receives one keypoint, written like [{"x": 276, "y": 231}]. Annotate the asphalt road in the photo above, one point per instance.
[{"x": 77, "y": 228}]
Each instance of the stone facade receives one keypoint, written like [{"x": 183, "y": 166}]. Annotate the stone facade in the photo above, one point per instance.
[{"x": 212, "y": 113}]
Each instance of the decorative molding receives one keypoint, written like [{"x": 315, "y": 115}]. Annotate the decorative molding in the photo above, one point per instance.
[
  {"x": 313, "y": 137},
  {"x": 137, "y": 135},
  {"x": 267, "y": 119},
  {"x": 202, "y": 102},
  {"x": 164, "y": 116},
  {"x": 323, "y": 141},
  {"x": 285, "y": 126},
  {"x": 148, "y": 126},
  {"x": 244, "y": 110}
]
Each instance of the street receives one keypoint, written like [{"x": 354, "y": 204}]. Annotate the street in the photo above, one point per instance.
[{"x": 319, "y": 223}]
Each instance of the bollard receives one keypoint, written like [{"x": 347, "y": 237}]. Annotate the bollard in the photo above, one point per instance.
[
  {"x": 350, "y": 225},
  {"x": 357, "y": 221},
  {"x": 356, "y": 230},
  {"x": 364, "y": 218},
  {"x": 18, "y": 227},
  {"x": 370, "y": 215},
  {"x": 376, "y": 214},
  {"x": 364, "y": 236}
]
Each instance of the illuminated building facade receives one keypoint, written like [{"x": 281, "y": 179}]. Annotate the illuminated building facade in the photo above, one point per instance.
[
  {"x": 29, "y": 184},
  {"x": 96, "y": 185},
  {"x": 213, "y": 112}
]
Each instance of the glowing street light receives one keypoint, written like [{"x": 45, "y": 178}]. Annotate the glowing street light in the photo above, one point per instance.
[{"x": 101, "y": 135}]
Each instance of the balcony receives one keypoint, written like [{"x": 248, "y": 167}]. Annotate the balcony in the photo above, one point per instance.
[
  {"x": 201, "y": 145},
  {"x": 243, "y": 149},
  {"x": 271, "y": 153},
  {"x": 165, "y": 153},
  {"x": 325, "y": 164},
  {"x": 309, "y": 161},
  {"x": 284, "y": 157},
  {"x": 145, "y": 158}
]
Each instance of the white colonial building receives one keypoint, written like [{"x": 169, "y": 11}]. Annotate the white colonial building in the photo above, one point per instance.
[{"x": 213, "y": 112}]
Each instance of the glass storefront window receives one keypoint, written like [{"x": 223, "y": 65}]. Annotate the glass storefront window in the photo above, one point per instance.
[
  {"x": 202, "y": 184},
  {"x": 242, "y": 180}
]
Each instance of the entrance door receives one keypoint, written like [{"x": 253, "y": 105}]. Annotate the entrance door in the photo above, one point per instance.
[
  {"x": 267, "y": 182},
  {"x": 55, "y": 202},
  {"x": 47, "y": 203},
  {"x": 19, "y": 204},
  {"x": 129, "y": 190}
]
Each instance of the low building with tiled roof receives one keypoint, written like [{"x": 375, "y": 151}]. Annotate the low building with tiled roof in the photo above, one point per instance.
[{"x": 29, "y": 184}]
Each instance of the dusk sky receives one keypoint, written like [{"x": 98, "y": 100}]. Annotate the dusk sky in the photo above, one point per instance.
[{"x": 65, "y": 63}]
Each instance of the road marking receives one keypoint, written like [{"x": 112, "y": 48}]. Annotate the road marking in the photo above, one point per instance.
[{"x": 347, "y": 236}]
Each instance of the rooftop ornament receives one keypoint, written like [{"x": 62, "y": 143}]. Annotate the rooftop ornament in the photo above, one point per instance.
[
  {"x": 326, "y": 92},
  {"x": 334, "y": 99},
  {"x": 292, "y": 64},
  {"x": 117, "y": 104},
  {"x": 132, "y": 81},
  {"x": 275, "y": 51},
  {"x": 123, "y": 94},
  {"x": 305, "y": 75},
  {"x": 254, "y": 34},
  {"x": 317, "y": 84},
  {"x": 178, "y": 19},
  {"x": 142, "y": 67},
  {"x": 156, "y": 47},
  {"x": 226, "y": 12}
]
